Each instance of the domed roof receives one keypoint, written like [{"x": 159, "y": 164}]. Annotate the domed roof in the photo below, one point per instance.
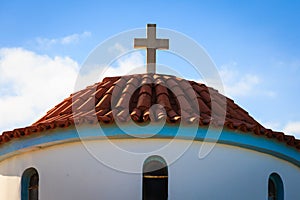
[{"x": 135, "y": 94}]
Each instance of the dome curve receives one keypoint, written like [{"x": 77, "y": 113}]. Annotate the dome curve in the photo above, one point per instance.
[{"x": 135, "y": 94}]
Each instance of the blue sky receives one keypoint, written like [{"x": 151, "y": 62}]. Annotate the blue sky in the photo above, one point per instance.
[{"x": 254, "y": 44}]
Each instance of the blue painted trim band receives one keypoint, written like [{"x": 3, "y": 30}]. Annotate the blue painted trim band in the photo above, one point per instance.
[{"x": 245, "y": 140}]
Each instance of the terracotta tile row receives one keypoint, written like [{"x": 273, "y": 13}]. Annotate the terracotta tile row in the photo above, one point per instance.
[{"x": 146, "y": 97}]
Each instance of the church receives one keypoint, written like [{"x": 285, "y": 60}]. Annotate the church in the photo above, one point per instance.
[{"x": 148, "y": 136}]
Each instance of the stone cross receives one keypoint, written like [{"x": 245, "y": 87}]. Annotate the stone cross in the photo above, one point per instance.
[{"x": 151, "y": 43}]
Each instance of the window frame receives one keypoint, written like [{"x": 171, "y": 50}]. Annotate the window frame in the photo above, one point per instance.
[
  {"x": 158, "y": 173},
  {"x": 25, "y": 183},
  {"x": 278, "y": 185}
]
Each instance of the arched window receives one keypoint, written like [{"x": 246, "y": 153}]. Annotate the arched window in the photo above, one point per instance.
[
  {"x": 275, "y": 187},
  {"x": 30, "y": 185},
  {"x": 155, "y": 179}
]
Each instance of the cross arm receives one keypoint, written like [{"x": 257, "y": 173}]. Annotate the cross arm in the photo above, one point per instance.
[
  {"x": 162, "y": 43},
  {"x": 140, "y": 43}
]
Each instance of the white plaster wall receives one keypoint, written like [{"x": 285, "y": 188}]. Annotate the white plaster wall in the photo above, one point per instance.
[
  {"x": 9, "y": 187},
  {"x": 69, "y": 172}
]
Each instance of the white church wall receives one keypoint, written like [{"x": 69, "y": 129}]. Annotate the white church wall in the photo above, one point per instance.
[
  {"x": 9, "y": 187},
  {"x": 230, "y": 173},
  {"x": 69, "y": 172}
]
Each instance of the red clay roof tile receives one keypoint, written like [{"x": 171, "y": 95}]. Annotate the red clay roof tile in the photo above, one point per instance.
[{"x": 133, "y": 97}]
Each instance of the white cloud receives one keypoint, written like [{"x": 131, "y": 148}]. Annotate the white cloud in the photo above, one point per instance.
[
  {"x": 75, "y": 37},
  {"x": 118, "y": 47},
  {"x": 31, "y": 84},
  {"x": 129, "y": 64},
  {"x": 293, "y": 128},
  {"x": 69, "y": 39},
  {"x": 237, "y": 84},
  {"x": 132, "y": 63}
]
